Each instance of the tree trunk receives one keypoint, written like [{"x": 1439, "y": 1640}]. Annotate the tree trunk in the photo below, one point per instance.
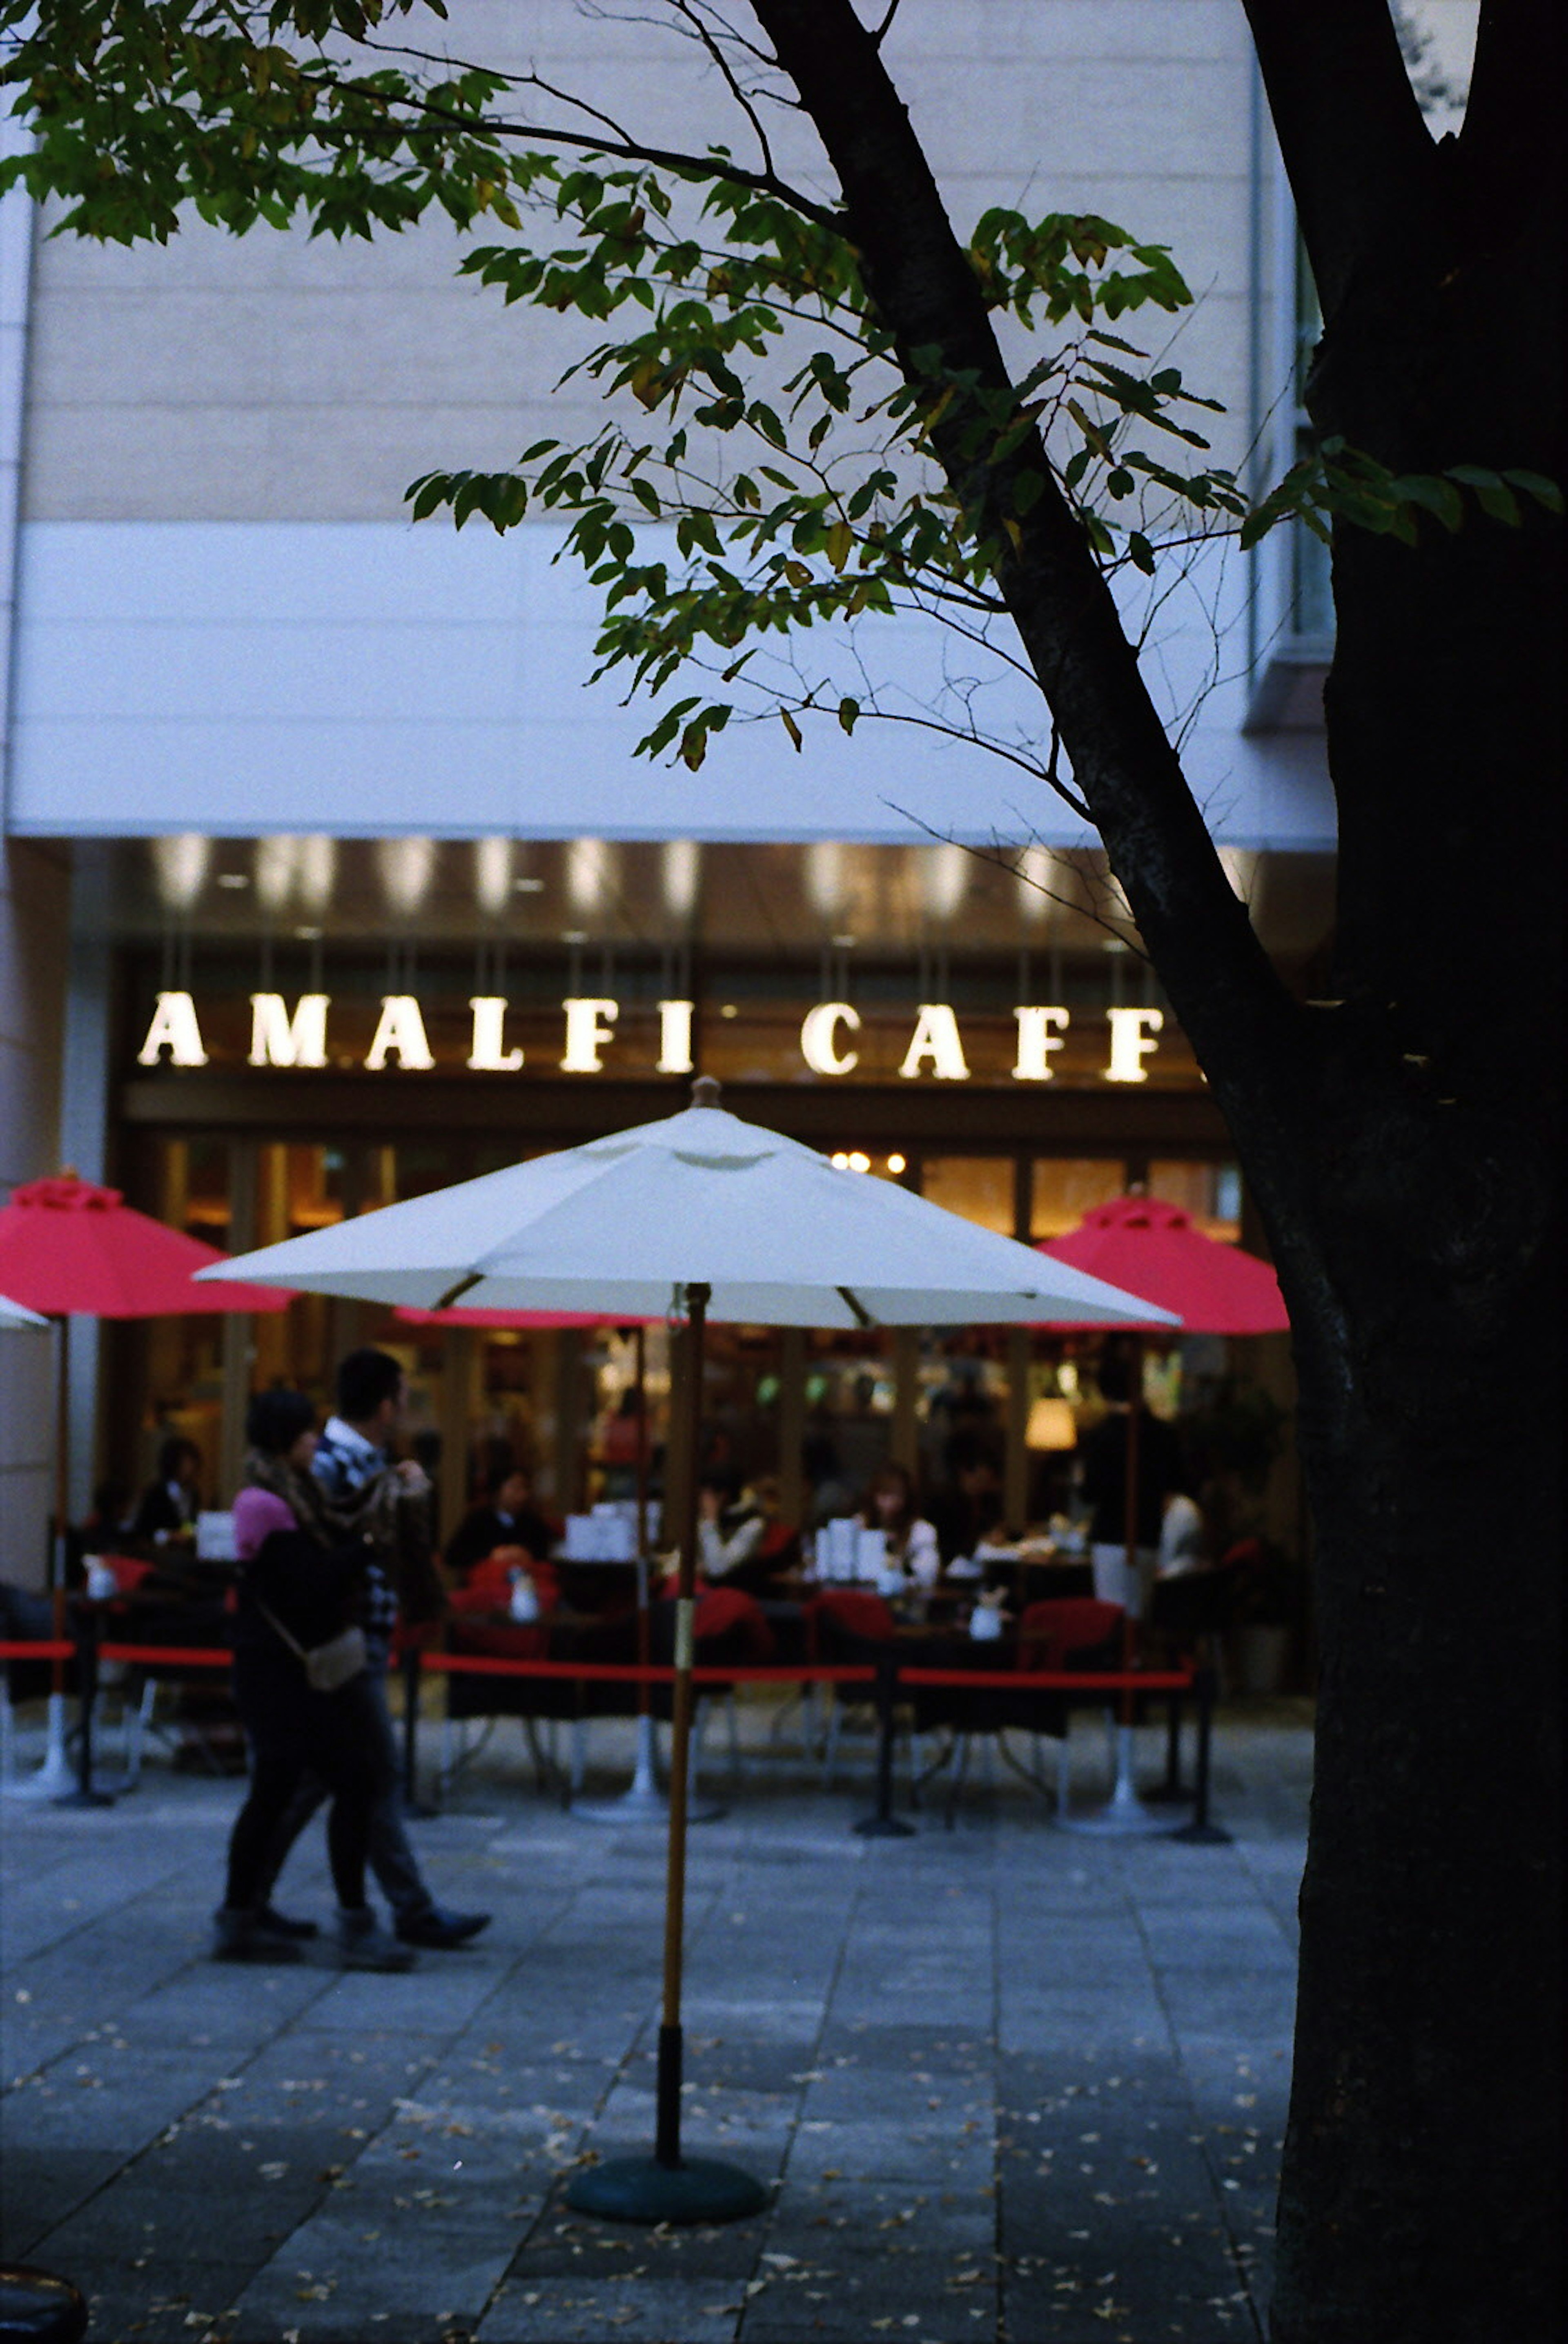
[
  {"x": 1418, "y": 2198},
  {"x": 1417, "y": 2203}
]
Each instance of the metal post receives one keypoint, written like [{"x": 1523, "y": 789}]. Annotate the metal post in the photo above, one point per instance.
[
  {"x": 84, "y": 1628},
  {"x": 884, "y": 1824},
  {"x": 1201, "y": 1831}
]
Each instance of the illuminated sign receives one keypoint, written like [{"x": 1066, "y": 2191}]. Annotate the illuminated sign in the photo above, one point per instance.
[{"x": 297, "y": 1038}]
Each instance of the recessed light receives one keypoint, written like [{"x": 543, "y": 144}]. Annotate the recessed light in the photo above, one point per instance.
[
  {"x": 574, "y": 936},
  {"x": 307, "y": 935},
  {"x": 859, "y": 1161},
  {"x": 528, "y": 886},
  {"x": 896, "y": 1164},
  {"x": 729, "y": 1010},
  {"x": 843, "y": 943},
  {"x": 233, "y": 879}
]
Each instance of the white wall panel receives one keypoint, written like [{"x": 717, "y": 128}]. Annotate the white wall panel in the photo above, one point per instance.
[{"x": 363, "y": 680}]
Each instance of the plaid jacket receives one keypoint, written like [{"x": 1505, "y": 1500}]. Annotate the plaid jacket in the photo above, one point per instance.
[{"x": 350, "y": 1470}]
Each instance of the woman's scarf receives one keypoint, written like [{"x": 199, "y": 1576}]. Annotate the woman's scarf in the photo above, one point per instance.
[{"x": 370, "y": 1514}]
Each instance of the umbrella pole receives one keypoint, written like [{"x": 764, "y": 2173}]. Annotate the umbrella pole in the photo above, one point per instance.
[
  {"x": 53, "y": 1778},
  {"x": 668, "y": 2147},
  {"x": 667, "y": 2187},
  {"x": 1125, "y": 1812}
]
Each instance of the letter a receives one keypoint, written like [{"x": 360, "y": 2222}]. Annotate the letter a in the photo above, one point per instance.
[
  {"x": 935, "y": 1038},
  {"x": 173, "y": 1028},
  {"x": 401, "y": 1028}
]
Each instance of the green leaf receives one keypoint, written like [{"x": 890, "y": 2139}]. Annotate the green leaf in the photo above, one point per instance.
[
  {"x": 848, "y": 714},
  {"x": 792, "y": 728}
]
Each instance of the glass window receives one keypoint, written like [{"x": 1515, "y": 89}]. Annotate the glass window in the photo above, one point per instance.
[
  {"x": 1210, "y": 1193},
  {"x": 978, "y": 1187},
  {"x": 1065, "y": 1187},
  {"x": 1312, "y": 588}
]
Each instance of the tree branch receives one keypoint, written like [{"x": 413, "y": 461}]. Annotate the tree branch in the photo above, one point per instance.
[
  {"x": 928, "y": 295},
  {"x": 1359, "y": 157}
]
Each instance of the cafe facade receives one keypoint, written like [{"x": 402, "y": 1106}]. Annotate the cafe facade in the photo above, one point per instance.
[{"x": 978, "y": 1024}]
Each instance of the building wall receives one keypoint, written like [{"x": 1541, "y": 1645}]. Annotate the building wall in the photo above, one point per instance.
[
  {"x": 273, "y": 378},
  {"x": 34, "y": 925},
  {"x": 227, "y": 623}
]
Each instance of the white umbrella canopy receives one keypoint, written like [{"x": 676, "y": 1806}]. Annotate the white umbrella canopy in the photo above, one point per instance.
[
  {"x": 17, "y": 1314},
  {"x": 702, "y": 1216},
  {"x": 621, "y": 1225}
]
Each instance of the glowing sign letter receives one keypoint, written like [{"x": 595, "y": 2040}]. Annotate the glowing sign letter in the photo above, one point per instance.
[
  {"x": 487, "y": 1056},
  {"x": 401, "y": 1028},
  {"x": 674, "y": 1037},
  {"x": 1041, "y": 1031},
  {"x": 819, "y": 1038},
  {"x": 277, "y": 1040},
  {"x": 588, "y": 1023},
  {"x": 1132, "y": 1033},
  {"x": 937, "y": 1037},
  {"x": 173, "y": 1028}
]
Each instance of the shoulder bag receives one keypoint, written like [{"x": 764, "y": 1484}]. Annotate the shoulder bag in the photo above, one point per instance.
[{"x": 327, "y": 1665}]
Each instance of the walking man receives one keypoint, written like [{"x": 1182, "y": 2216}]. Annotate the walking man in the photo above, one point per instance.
[{"x": 388, "y": 1504}]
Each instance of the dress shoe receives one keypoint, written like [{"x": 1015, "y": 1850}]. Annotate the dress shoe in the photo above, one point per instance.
[
  {"x": 364, "y": 1944},
  {"x": 243, "y": 1936},
  {"x": 441, "y": 1929}
]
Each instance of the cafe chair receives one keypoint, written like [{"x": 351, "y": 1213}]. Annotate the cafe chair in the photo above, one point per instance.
[
  {"x": 847, "y": 1626},
  {"x": 1063, "y": 1633}
]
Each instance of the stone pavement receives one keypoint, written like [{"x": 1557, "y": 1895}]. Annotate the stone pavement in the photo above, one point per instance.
[{"x": 1014, "y": 2085}]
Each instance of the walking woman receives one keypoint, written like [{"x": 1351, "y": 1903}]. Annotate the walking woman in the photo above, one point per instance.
[{"x": 298, "y": 1586}]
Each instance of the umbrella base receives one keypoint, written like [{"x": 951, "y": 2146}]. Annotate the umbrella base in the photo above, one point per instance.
[
  {"x": 1124, "y": 1816},
  {"x": 56, "y": 1775},
  {"x": 883, "y": 1827},
  {"x": 1203, "y": 1835},
  {"x": 644, "y": 1802},
  {"x": 641, "y": 2189},
  {"x": 80, "y": 1798}
]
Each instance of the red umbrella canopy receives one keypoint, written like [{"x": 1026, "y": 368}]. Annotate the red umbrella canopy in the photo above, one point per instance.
[
  {"x": 66, "y": 1246},
  {"x": 1152, "y": 1248}
]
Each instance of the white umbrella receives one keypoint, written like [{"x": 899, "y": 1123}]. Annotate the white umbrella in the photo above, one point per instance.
[
  {"x": 17, "y": 1314},
  {"x": 710, "y": 1217},
  {"x": 777, "y": 1234}
]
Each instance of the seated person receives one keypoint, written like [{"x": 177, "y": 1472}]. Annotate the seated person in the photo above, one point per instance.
[
  {"x": 729, "y": 1535},
  {"x": 170, "y": 1504},
  {"x": 507, "y": 1518},
  {"x": 969, "y": 1513},
  {"x": 891, "y": 1507}
]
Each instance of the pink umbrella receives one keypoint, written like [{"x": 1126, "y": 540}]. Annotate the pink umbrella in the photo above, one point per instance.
[
  {"x": 1153, "y": 1249},
  {"x": 68, "y": 1247}
]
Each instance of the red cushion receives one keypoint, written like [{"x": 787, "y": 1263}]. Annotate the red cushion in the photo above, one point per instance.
[{"x": 1062, "y": 1624}]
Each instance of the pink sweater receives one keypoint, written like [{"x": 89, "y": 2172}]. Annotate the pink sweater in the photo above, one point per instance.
[{"x": 257, "y": 1514}]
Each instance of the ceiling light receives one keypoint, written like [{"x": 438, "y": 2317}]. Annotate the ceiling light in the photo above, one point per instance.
[
  {"x": 233, "y": 879},
  {"x": 859, "y": 1163},
  {"x": 896, "y": 1164},
  {"x": 528, "y": 886},
  {"x": 729, "y": 1010}
]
